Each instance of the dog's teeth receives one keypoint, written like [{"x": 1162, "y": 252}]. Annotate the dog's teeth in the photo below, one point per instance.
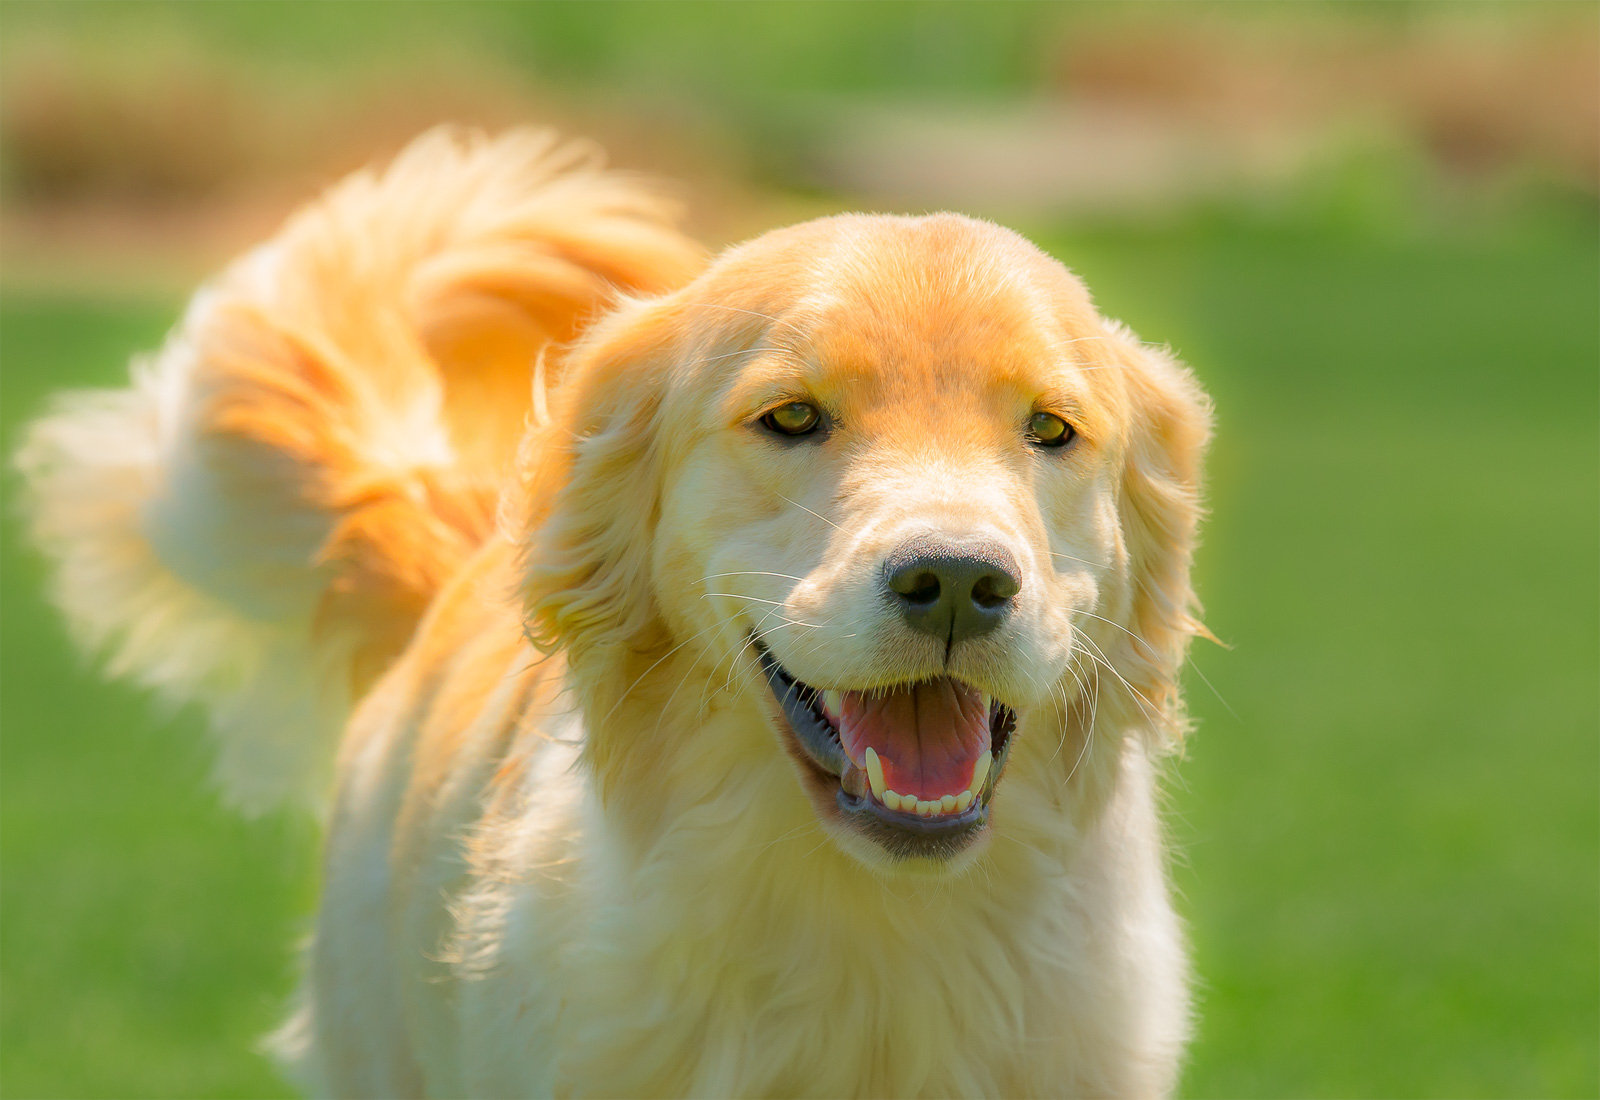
[
  {"x": 988, "y": 701},
  {"x": 874, "y": 768},
  {"x": 963, "y": 800},
  {"x": 853, "y": 781},
  {"x": 925, "y": 809},
  {"x": 947, "y": 803},
  {"x": 891, "y": 800},
  {"x": 980, "y": 772},
  {"x": 833, "y": 703}
]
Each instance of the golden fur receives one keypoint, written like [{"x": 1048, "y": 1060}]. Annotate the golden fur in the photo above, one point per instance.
[{"x": 569, "y": 848}]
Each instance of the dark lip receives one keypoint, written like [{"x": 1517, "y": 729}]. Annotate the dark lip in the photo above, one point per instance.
[{"x": 902, "y": 835}]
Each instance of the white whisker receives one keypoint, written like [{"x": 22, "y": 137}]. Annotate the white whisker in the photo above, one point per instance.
[
  {"x": 820, "y": 516},
  {"x": 734, "y": 309}
]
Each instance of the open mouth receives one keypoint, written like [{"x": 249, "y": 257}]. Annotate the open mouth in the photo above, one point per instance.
[{"x": 916, "y": 764}]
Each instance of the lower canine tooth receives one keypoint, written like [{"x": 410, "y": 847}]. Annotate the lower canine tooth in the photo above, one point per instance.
[
  {"x": 963, "y": 800},
  {"x": 854, "y": 781},
  {"x": 947, "y": 803},
  {"x": 980, "y": 772},
  {"x": 874, "y": 768}
]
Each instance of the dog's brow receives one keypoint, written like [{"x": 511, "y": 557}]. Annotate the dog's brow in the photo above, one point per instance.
[{"x": 772, "y": 375}]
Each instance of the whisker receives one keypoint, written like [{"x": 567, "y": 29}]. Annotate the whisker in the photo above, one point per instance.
[
  {"x": 652, "y": 668},
  {"x": 1207, "y": 681},
  {"x": 1150, "y": 649},
  {"x": 1088, "y": 737},
  {"x": 751, "y": 573},
  {"x": 1153, "y": 652},
  {"x": 1067, "y": 714},
  {"x": 734, "y": 309},
  {"x": 750, "y": 639},
  {"x": 666, "y": 707},
  {"x": 1144, "y": 704},
  {"x": 1025, "y": 844},
  {"x": 781, "y": 837},
  {"x": 1069, "y": 557},
  {"x": 724, "y": 355},
  {"x": 741, "y": 596},
  {"x": 823, "y": 518}
]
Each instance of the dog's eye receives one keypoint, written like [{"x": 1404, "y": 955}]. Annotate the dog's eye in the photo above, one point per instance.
[
  {"x": 1049, "y": 430},
  {"x": 795, "y": 418}
]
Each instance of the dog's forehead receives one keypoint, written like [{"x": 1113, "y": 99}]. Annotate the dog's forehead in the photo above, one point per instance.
[
  {"x": 935, "y": 289},
  {"x": 874, "y": 310},
  {"x": 897, "y": 341}
]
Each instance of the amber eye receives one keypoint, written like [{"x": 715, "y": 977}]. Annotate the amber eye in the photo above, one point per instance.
[
  {"x": 1049, "y": 430},
  {"x": 795, "y": 418}
]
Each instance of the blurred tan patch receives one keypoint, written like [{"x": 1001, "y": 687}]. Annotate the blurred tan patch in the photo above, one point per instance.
[
  {"x": 147, "y": 164},
  {"x": 1478, "y": 94},
  {"x": 154, "y": 166}
]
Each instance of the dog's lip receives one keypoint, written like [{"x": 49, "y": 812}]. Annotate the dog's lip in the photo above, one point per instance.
[
  {"x": 797, "y": 700},
  {"x": 820, "y": 745}
]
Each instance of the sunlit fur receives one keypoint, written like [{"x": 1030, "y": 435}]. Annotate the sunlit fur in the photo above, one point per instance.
[{"x": 568, "y": 851}]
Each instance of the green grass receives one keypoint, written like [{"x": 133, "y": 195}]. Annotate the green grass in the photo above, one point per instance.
[{"x": 1389, "y": 840}]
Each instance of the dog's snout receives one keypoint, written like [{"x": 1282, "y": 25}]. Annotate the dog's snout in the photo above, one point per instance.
[{"x": 952, "y": 589}]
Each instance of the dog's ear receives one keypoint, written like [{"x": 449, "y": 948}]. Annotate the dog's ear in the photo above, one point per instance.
[
  {"x": 592, "y": 486},
  {"x": 1170, "y": 424}
]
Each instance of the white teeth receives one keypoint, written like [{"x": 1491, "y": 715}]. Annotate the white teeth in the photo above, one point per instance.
[
  {"x": 833, "y": 703},
  {"x": 874, "y": 768},
  {"x": 911, "y": 804},
  {"x": 980, "y": 772},
  {"x": 988, "y": 700}
]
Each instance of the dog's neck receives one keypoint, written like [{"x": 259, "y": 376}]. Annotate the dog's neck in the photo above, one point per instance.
[{"x": 719, "y": 892}]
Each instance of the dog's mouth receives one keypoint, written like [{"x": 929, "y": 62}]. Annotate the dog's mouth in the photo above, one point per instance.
[{"x": 915, "y": 764}]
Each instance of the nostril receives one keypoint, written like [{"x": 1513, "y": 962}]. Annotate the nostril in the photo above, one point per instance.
[
  {"x": 992, "y": 591},
  {"x": 916, "y": 586}
]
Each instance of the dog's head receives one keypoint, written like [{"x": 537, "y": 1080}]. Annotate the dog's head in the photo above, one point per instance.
[{"x": 894, "y": 485}]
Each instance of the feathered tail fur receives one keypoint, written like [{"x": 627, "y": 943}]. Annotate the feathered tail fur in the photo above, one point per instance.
[{"x": 259, "y": 520}]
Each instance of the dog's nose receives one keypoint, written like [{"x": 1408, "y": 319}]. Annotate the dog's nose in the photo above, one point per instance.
[{"x": 952, "y": 589}]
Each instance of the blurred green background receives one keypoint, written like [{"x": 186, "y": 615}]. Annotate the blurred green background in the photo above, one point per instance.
[{"x": 1370, "y": 229}]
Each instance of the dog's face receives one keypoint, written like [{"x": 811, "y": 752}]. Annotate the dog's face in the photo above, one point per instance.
[{"x": 884, "y": 469}]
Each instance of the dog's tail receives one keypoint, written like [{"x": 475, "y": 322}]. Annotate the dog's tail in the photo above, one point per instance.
[{"x": 260, "y": 519}]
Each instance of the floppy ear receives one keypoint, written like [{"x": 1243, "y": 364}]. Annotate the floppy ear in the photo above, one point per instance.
[
  {"x": 1170, "y": 424},
  {"x": 592, "y": 485}
]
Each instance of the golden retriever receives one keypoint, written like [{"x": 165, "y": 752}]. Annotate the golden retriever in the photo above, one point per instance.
[{"x": 743, "y": 676}]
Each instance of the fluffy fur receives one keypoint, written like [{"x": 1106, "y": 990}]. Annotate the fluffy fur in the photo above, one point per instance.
[{"x": 567, "y": 849}]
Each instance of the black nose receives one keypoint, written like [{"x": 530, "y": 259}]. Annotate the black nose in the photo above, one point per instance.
[{"x": 952, "y": 589}]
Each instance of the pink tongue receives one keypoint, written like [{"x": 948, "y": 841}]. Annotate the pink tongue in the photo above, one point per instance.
[{"x": 927, "y": 737}]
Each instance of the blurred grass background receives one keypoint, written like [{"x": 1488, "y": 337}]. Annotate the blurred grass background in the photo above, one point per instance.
[{"x": 1372, "y": 231}]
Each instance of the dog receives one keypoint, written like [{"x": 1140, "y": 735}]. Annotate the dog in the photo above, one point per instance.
[{"x": 718, "y": 676}]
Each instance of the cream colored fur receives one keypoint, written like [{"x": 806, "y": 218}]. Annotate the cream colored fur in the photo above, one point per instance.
[{"x": 567, "y": 852}]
